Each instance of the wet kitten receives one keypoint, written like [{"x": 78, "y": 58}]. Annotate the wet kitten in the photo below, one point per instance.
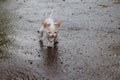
[{"x": 50, "y": 30}]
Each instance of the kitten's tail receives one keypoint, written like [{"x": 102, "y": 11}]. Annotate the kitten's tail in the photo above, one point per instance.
[{"x": 51, "y": 13}]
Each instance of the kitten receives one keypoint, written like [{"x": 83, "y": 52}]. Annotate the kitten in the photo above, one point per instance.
[{"x": 50, "y": 30}]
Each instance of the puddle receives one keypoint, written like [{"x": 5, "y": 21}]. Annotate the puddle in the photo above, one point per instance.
[{"x": 51, "y": 54}]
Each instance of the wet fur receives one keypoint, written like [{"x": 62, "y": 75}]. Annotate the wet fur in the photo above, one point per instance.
[{"x": 49, "y": 31}]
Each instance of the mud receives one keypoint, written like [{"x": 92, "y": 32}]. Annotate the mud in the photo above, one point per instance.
[{"x": 89, "y": 40}]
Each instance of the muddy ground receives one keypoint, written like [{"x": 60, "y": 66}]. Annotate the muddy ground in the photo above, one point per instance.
[{"x": 89, "y": 40}]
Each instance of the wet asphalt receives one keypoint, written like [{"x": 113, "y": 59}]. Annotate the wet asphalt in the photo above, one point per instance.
[{"x": 89, "y": 40}]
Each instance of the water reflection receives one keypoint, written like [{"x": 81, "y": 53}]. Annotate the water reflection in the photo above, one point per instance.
[{"x": 51, "y": 54}]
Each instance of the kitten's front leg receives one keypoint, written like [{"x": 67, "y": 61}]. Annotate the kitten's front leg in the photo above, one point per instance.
[
  {"x": 48, "y": 42},
  {"x": 41, "y": 34},
  {"x": 56, "y": 39}
]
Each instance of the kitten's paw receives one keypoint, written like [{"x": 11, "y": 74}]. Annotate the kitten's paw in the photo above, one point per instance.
[
  {"x": 41, "y": 39},
  {"x": 38, "y": 31},
  {"x": 56, "y": 42},
  {"x": 49, "y": 46}
]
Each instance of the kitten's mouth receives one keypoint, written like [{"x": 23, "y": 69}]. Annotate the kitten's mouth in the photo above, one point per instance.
[
  {"x": 51, "y": 41},
  {"x": 52, "y": 37}
]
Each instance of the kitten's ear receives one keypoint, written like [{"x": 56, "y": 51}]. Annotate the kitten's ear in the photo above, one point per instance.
[
  {"x": 45, "y": 25},
  {"x": 58, "y": 24}
]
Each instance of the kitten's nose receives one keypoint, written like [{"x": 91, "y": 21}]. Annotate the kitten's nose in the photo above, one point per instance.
[{"x": 52, "y": 36}]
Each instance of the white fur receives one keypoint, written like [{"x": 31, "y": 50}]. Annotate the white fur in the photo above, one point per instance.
[{"x": 49, "y": 31}]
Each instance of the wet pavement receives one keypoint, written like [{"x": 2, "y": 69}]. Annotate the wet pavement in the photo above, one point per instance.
[{"x": 88, "y": 48}]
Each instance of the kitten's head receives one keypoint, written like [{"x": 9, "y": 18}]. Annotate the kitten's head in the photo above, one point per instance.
[{"x": 52, "y": 29}]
